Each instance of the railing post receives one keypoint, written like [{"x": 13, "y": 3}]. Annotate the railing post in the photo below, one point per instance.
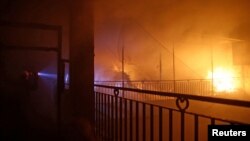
[
  {"x": 125, "y": 119},
  {"x": 137, "y": 120},
  {"x": 160, "y": 123},
  {"x": 105, "y": 116},
  {"x": 102, "y": 116},
  {"x": 151, "y": 123},
  {"x": 116, "y": 115},
  {"x": 120, "y": 125},
  {"x": 131, "y": 119},
  {"x": 99, "y": 114},
  {"x": 109, "y": 127},
  {"x": 120, "y": 121},
  {"x": 182, "y": 109},
  {"x": 182, "y": 126},
  {"x": 144, "y": 122},
  {"x": 112, "y": 118},
  {"x": 196, "y": 122},
  {"x": 170, "y": 125}
]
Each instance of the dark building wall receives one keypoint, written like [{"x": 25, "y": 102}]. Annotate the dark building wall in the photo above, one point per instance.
[
  {"x": 82, "y": 57},
  {"x": 75, "y": 17},
  {"x": 52, "y": 12}
]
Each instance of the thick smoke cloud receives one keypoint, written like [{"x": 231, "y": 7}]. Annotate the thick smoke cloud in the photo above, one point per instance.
[{"x": 149, "y": 29}]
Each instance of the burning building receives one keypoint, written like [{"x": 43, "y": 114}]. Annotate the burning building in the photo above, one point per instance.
[{"x": 170, "y": 40}]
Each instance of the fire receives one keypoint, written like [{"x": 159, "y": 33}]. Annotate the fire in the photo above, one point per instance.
[
  {"x": 129, "y": 70},
  {"x": 223, "y": 80},
  {"x": 116, "y": 68}
]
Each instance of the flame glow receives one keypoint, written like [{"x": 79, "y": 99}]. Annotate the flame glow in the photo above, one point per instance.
[
  {"x": 128, "y": 70},
  {"x": 116, "y": 68},
  {"x": 223, "y": 80}
]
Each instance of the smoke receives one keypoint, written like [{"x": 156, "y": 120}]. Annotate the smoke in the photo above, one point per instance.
[{"x": 148, "y": 30}]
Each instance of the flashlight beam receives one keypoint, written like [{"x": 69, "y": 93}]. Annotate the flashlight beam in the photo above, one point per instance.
[{"x": 47, "y": 75}]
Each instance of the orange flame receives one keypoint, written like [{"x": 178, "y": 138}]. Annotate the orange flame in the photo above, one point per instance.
[{"x": 223, "y": 80}]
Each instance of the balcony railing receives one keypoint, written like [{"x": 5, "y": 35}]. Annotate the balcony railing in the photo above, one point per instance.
[
  {"x": 202, "y": 87},
  {"x": 127, "y": 114}
]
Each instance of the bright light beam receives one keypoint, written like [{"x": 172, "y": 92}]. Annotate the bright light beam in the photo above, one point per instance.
[
  {"x": 67, "y": 78},
  {"x": 47, "y": 75}
]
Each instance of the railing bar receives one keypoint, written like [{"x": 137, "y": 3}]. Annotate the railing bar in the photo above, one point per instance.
[
  {"x": 188, "y": 96},
  {"x": 190, "y": 113},
  {"x": 97, "y": 114},
  {"x": 102, "y": 116},
  {"x": 131, "y": 120},
  {"x": 109, "y": 127},
  {"x": 105, "y": 116},
  {"x": 137, "y": 120},
  {"x": 116, "y": 118},
  {"x": 212, "y": 121},
  {"x": 99, "y": 117},
  {"x": 125, "y": 119},
  {"x": 160, "y": 124},
  {"x": 120, "y": 111},
  {"x": 112, "y": 118},
  {"x": 170, "y": 125},
  {"x": 196, "y": 127},
  {"x": 144, "y": 122},
  {"x": 182, "y": 126},
  {"x": 151, "y": 123}
]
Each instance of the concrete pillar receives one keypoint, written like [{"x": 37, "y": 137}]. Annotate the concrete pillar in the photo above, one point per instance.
[{"x": 82, "y": 59}]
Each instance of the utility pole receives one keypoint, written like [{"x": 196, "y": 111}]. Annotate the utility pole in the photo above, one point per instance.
[
  {"x": 160, "y": 68},
  {"x": 212, "y": 69},
  {"x": 122, "y": 67},
  {"x": 174, "y": 67},
  {"x": 243, "y": 78}
]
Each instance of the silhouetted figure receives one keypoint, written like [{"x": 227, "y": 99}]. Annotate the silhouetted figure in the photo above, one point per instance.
[
  {"x": 29, "y": 80},
  {"x": 14, "y": 98}
]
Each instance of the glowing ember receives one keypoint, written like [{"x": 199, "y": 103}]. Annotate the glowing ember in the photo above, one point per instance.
[{"x": 223, "y": 80}]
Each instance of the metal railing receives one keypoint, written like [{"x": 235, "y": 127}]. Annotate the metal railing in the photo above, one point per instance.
[
  {"x": 124, "y": 114},
  {"x": 202, "y": 87}
]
